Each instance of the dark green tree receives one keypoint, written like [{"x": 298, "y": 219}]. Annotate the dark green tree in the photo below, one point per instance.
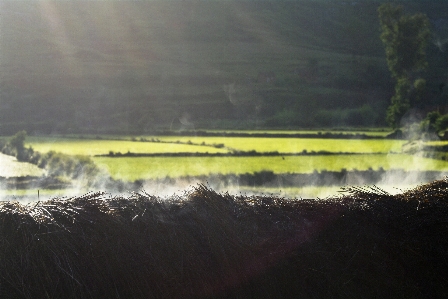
[
  {"x": 405, "y": 38},
  {"x": 18, "y": 141}
]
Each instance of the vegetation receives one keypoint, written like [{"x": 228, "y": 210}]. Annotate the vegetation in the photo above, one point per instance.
[
  {"x": 246, "y": 161},
  {"x": 298, "y": 145},
  {"x": 137, "y": 67},
  {"x": 15, "y": 146},
  {"x": 71, "y": 167},
  {"x": 64, "y": 167},
  {"x": 435, "y": 123},
  {"x": 223, "y": 144},
  {"x": 204, "y": 69},
  {"x": 137, "y": 168},
  {"x": 92, "y": 147},
  {"x": 209, "y": 245},
  {"x": 333, "y": 75},
  {"x": 17, "y": 142},
  {"x": 405, "y": 38},
  {"x": 203, "y": 157}
]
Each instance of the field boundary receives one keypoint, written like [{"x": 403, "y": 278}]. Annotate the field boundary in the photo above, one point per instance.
[
  {"x": 202, "y": 133},
  {"x": 232, "y": 154},
  {"x": 325, "y": 135}
]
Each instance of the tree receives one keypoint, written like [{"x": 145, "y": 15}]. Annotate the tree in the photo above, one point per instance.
[
  {"x": 405, "y": 38},
  {"x": 17, "y": 145},
  {"x": 18, "y": 141}
]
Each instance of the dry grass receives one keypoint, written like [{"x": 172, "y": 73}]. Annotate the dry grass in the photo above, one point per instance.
[{"x": 202, "y": 244}]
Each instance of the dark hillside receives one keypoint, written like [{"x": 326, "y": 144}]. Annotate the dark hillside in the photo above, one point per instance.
[
  {"x": 368, "y": 244},
  {"x": 137, "y": 65}
]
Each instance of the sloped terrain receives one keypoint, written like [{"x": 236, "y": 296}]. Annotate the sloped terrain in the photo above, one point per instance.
[{"x": 134, "y": 65}]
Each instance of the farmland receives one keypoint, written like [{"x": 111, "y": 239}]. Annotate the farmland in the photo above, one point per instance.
[
  {"x": 161, "y": 151},
  {"x": 292, "y": 166},
  {"x": 131, "y": 169},
  {"x": 297, "y": 145},
  {"x": 92, "y": 147},
  {"x": 295, "y": 155},
  {"x": 192, "y": 144}
]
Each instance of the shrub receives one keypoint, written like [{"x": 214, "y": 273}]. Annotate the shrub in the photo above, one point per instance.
[
  {"x": 62, "y": 165},
  {"x": 18, "y": 141},
  {"x": 15, "y": 146},
  {"x": 441, "y": 123}
]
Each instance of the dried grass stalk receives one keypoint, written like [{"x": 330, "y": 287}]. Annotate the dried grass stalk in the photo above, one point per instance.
[{"x": 367, "y": 244}]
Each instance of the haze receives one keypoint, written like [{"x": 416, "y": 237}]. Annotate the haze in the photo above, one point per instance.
[{"x": 134, "y": 66}]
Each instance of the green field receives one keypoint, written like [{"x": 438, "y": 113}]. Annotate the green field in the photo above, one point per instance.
[
  {"x": 298, "y": 145},
  {"x": 370, "y": 154},
  {"x": 130, "y": 169},
  {"x": 91, "y": 147}
]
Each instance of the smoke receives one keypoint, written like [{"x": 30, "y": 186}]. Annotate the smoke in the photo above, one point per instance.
[
  {"x": 184, "y": 122},
  {"x": 316, "y": 185},
  {"x": 230, "y": 91},
  {"x": 416, "y": 170}
]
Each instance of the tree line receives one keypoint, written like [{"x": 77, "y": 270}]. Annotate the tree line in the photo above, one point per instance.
[{"x": 405, "y": 38}]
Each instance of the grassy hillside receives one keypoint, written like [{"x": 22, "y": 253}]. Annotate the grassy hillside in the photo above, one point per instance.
[{"x": 137, "y": 65}]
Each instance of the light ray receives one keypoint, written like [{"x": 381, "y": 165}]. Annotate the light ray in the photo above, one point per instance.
[{"x": 59, "y": 37}]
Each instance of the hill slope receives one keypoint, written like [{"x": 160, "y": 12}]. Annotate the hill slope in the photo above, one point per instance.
[{"x": 126, "y": 65}]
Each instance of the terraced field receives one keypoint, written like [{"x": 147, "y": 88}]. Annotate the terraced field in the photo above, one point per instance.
[
  {"x": 296, "y": 155},
  {"x": 185, "y": 158},
  {"x": 192, "y": 144},
  {"x": 159, "y": 167},
  {"x": 92, "y": 147},
  {"x": 298, "y": 145}
]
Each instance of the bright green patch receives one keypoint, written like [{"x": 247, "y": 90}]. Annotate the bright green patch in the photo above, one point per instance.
[
  {"x": 437, "y": 143},
  {"x": 298, "y": 145},
  {"x": 199, "y": 144},
  {"x": 91, "y": 147},
  {"x": 131, "y": 169}
]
